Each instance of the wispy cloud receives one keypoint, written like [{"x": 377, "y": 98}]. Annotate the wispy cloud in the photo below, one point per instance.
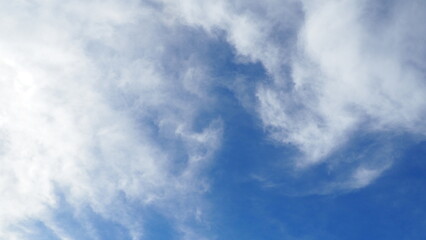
[
  {"x": 336, "y": 68},
  {"x": 353, "y": 72},
  {"x": 92, "y": 110},
  {"x": 101, "y": 101}
]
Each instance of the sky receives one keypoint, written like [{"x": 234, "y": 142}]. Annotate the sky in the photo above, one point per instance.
[{"x": 212, "y": 119}]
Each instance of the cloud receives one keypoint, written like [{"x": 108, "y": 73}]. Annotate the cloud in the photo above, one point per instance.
[
  {"x": 96, "y": 105},
  {"x": 353, "y": 72},
  {"x": 257, "y": 31},
  {"x": 345, "y": 77},
  {"x": 336, "y": 69},
  {"x": 104, "y": 103}
]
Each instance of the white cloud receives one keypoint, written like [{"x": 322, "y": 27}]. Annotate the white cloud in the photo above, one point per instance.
[
  {"x": 337, "y": 68},
  {"x": 101, "y": 98},
  {"x": 346, "y": 76},
  {"x": 86, "y": 105},
  {"x": 259, "y": 31},
  {"x": 363, "y": 177},
  {"x": 351, "y": 74}
]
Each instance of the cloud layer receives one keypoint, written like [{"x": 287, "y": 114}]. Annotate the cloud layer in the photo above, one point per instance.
[
  {"x": 97, "y": 104},
  {"x": 105, "y": 99},
  {"x": 358, "y": 68},
  {"x": 336, "y": 70}
]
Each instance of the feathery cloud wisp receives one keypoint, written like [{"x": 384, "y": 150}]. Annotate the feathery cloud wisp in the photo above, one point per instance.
[{"x": 90, "y": 111}]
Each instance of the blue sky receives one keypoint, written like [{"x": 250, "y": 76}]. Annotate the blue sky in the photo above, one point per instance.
[{"x": 212, "y": 120}]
